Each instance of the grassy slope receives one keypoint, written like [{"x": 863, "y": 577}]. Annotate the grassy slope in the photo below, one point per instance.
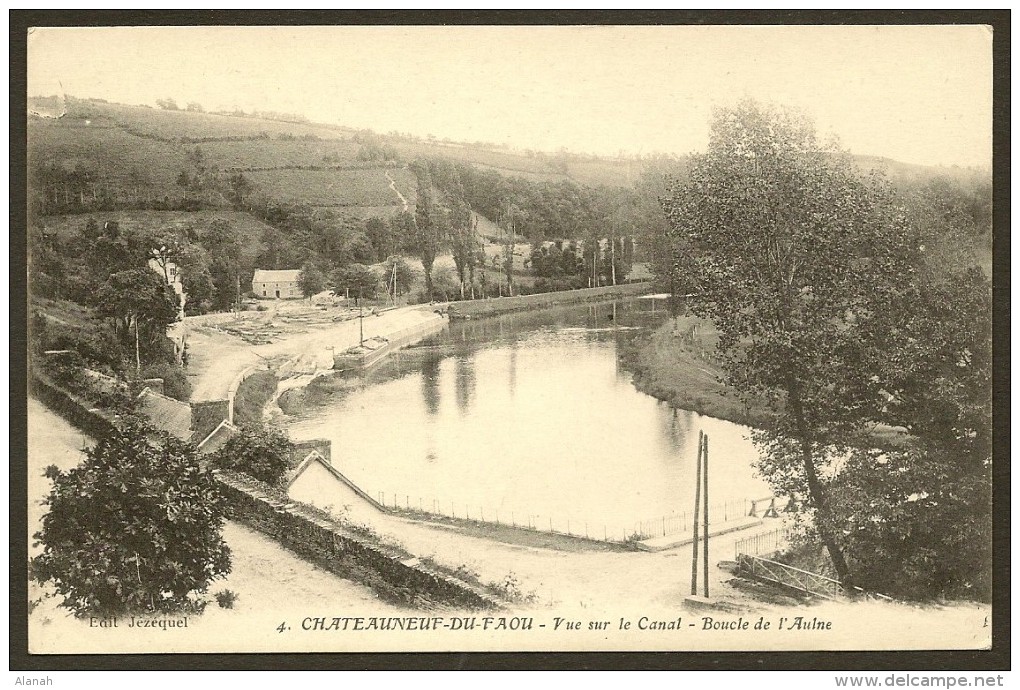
[
  {"x": 670, "y": 367},
  {"x": 119, "y": 139}
]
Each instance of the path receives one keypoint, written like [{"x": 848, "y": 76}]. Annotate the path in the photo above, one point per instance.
[
  {"x": 578, "y": 579},
  {"x": 393, "y": 186}
]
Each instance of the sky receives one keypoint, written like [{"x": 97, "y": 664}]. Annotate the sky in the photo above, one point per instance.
[{"x": 916, "y": 94}]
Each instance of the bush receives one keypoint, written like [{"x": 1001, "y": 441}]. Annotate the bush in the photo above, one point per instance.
[
  {"x": 136, "y": 527},
  {"x": 226, "y": 598},
  {"x": 96, "y": 343},
  {"x": 262, "y": 453}
]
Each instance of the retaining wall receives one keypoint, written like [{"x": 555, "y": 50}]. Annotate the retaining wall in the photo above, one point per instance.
[
  {"x": 394, "y": 575},
  {"x": 474, "y": 309},
  {"x": 92, "y": 421}
]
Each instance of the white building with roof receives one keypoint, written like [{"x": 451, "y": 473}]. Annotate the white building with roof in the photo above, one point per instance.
[{"x": 276, "y": 284}]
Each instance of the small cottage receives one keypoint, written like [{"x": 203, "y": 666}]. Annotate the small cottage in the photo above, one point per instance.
[{"x": 276, "y": 284}]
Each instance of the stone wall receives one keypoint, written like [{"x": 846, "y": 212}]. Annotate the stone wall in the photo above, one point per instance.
[
  {"x": 394, "y": 575},
  {"x": 475, "y": 309},
  {"x": 92, "y": 421}
]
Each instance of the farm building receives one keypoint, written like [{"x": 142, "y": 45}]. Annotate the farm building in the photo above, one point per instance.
[{"x": 276, "y": 284}]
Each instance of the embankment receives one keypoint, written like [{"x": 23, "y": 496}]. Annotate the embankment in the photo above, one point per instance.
[
  {"x": 673, "y": 364},
  {"x": 476, "y": 309}
]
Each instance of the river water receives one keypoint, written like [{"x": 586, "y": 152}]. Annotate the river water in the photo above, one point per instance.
[{"x": 531, "y": 419}]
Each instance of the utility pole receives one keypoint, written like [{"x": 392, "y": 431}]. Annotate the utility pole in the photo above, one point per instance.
[
  {"x": 697, "y": 506},
  {"x": 361, "y": 320},
  {"x": 706, "y": 516}
]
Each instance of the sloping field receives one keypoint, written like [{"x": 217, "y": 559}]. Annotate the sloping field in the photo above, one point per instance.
[
  {"x": 328, "y": 188},
  {"x": 278, "y": 153},
  {"x": 611, "y": 173},
  {"x": 178, "y": 125},
  {"x": 111, "y": 153},
  {"x": 482, "y": 156}
]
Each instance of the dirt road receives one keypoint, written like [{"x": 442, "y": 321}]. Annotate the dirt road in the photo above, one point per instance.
[{"x": 216, "y": 358}]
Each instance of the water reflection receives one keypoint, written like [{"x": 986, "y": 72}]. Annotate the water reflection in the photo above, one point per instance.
[
  {"x": 430, "y": 383},
  {"x": 465, "y": 382},
  {"x": 531, "y": 414}
]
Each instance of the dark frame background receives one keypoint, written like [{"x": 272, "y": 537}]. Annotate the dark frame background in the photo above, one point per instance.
[{"x": 997, "y": 658}]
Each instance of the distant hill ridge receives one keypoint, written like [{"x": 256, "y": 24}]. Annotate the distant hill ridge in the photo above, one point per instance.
[{"x": 131, "y": 152}]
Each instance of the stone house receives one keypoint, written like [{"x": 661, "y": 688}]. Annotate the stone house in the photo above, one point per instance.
[{"x": 276, "y": 284}]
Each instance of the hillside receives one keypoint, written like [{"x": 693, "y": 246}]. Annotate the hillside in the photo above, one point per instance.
[{"x": 135, "y": 154}]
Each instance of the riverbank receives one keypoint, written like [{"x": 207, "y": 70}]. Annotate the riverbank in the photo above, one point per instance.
[
  {"x": 674, "y": 364},
  {"x": 480, "y": 308}
]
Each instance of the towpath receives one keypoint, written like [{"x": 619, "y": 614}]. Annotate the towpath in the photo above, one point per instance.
[{"x": 217, "y": 359}]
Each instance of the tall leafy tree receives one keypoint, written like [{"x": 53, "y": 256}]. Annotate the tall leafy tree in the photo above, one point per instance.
[
  {"x": 358, "y": 280},
  {"x": 311, "y": 280},
  {"x": 800, "y": 262},
  {"x": 260, "y": 452},
  {"x": 141, "y": 305},
  {"x": 429, "y": 223},
  {"x": 136, "y": 527}
]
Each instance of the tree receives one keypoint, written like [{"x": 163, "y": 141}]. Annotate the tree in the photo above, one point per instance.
[
  {"x": 509, "y": 217},
  {"x": 196, "y": 278},
  {"x": 141, "y": 305},
  {"x": 356, "y": 279},
  {"x": 311, "y": 280},
  {"x": 463, "y": 243},
  {"x": 398, "y": 275},
  {"x": 240, "y": 188},
  {"x": 800, "y": 263},
  {"x": 135, "y": 527},
  {"x": 429, "y": 224},
  {"x": 379, "y": 234},
  {"x": 259, "y": 452}
]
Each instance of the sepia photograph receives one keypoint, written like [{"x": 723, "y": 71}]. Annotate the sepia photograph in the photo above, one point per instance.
[{"x": 575, "y": 337}]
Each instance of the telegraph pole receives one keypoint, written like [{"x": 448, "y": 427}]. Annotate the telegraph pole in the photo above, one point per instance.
[
  {"x": 361, "y": 320},
  {"x": 706, "y": 516},
  {"x": 697, "y": 506}
]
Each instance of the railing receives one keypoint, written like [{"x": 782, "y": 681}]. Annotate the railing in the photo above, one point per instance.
[
  {"x": 801, "y": 580},
  {"x": 678, "y": 523},
  {"x": 575, "y": 526},
  {"x": 764, "y": 543},
  {"x": 579, "y": 528},
  {"x": 788, "y": 576}
]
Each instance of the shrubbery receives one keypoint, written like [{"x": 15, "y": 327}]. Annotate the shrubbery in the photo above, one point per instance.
[
  {"x": 136, "y": 527},
  {"x": 262, "y": 453}
]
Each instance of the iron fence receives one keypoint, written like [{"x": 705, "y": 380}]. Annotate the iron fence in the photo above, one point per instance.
[
  {"x": 788, "y": 576},
  {"x": 764, "y": 543},
  {"x": 573, "y": 526}
]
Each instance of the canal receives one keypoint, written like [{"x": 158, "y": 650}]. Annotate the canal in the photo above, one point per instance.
[{"x": 530, "y": 418}]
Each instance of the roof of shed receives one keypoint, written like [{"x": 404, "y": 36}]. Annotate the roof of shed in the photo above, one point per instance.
[
  {"x": 282, "y": 276},
  {"x": 166, "y": 414}
]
